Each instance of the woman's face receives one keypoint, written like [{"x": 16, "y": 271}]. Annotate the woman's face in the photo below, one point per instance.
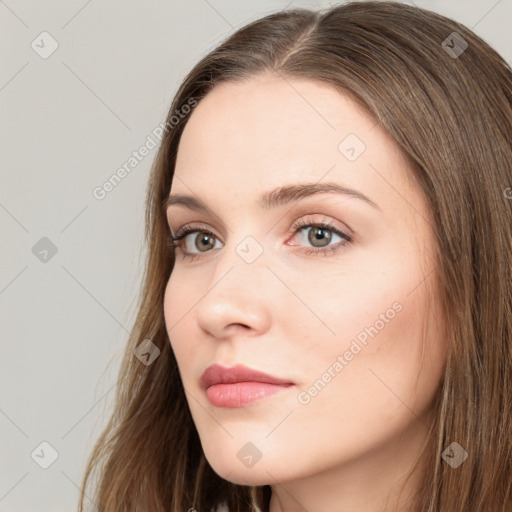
[{"x": 342, "y": 320}]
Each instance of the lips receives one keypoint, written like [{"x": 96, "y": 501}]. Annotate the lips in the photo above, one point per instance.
[{"x": 217, "y": 374}]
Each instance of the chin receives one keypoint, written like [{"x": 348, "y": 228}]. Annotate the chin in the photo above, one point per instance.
[{"x": 232, "y": 469}]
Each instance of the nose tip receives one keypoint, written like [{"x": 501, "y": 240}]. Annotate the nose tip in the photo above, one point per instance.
[{"x": 237, "y": 304}]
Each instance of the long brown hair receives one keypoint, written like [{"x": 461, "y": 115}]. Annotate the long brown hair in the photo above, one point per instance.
[{"x": 447, "y": 101}]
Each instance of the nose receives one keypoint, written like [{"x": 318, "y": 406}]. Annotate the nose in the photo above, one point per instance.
[{"x": 238, "y": 298}]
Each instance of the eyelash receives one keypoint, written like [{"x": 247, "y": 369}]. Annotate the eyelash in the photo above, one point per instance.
[{"x": 296, "y": 228}]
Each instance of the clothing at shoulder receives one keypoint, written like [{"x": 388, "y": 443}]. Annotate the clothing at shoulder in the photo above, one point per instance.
[{"x": 221, "y": 507}]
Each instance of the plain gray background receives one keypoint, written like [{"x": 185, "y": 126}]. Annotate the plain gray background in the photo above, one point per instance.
[{"x": 69, "y": 121}]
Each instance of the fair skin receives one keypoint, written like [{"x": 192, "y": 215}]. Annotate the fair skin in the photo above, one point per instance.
[{"x": 291, "y": 314}]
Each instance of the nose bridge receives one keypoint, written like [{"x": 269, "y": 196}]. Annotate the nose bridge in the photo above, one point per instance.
[{"x": 242, "y": 262}]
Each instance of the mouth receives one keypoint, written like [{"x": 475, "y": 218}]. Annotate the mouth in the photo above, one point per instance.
[{"x": 239, "y": 385}]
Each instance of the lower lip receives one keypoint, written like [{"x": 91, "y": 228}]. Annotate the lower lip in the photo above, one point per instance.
[{"x": 239, "y": 394}]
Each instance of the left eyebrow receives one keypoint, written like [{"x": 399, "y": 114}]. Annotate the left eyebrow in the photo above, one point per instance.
[{"x": 276, "y": 197}]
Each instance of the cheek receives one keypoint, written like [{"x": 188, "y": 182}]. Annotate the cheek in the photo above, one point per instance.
[
  {"x": 385, "y": 362},
  {"x": 177, "y": 313}
]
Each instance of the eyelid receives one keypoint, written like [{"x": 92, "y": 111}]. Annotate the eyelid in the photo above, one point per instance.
[
  {"x": 302, "y": 207},
  {"x": 305, "y": 220},
  {"x": 199, "y": 226}
]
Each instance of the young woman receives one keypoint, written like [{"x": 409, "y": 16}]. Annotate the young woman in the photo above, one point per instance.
[{"x": 326, "y": 317}]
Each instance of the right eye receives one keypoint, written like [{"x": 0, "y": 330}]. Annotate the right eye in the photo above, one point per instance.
[{"x": 205, "y": 241}]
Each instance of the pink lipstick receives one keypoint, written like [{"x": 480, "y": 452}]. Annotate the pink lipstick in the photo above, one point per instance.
[{"x": 239, "y": 385}]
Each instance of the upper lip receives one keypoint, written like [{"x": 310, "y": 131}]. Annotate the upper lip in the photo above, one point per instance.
[{"x": 217, "y": 374}]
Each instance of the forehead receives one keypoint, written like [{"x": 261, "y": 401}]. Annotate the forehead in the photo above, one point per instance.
[
  {"x": 267, "y": 132},
  {"x": 266, "y": 116}
]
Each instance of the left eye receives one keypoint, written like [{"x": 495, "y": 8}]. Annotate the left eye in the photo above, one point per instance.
[{"x": 320, "y": 236}]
